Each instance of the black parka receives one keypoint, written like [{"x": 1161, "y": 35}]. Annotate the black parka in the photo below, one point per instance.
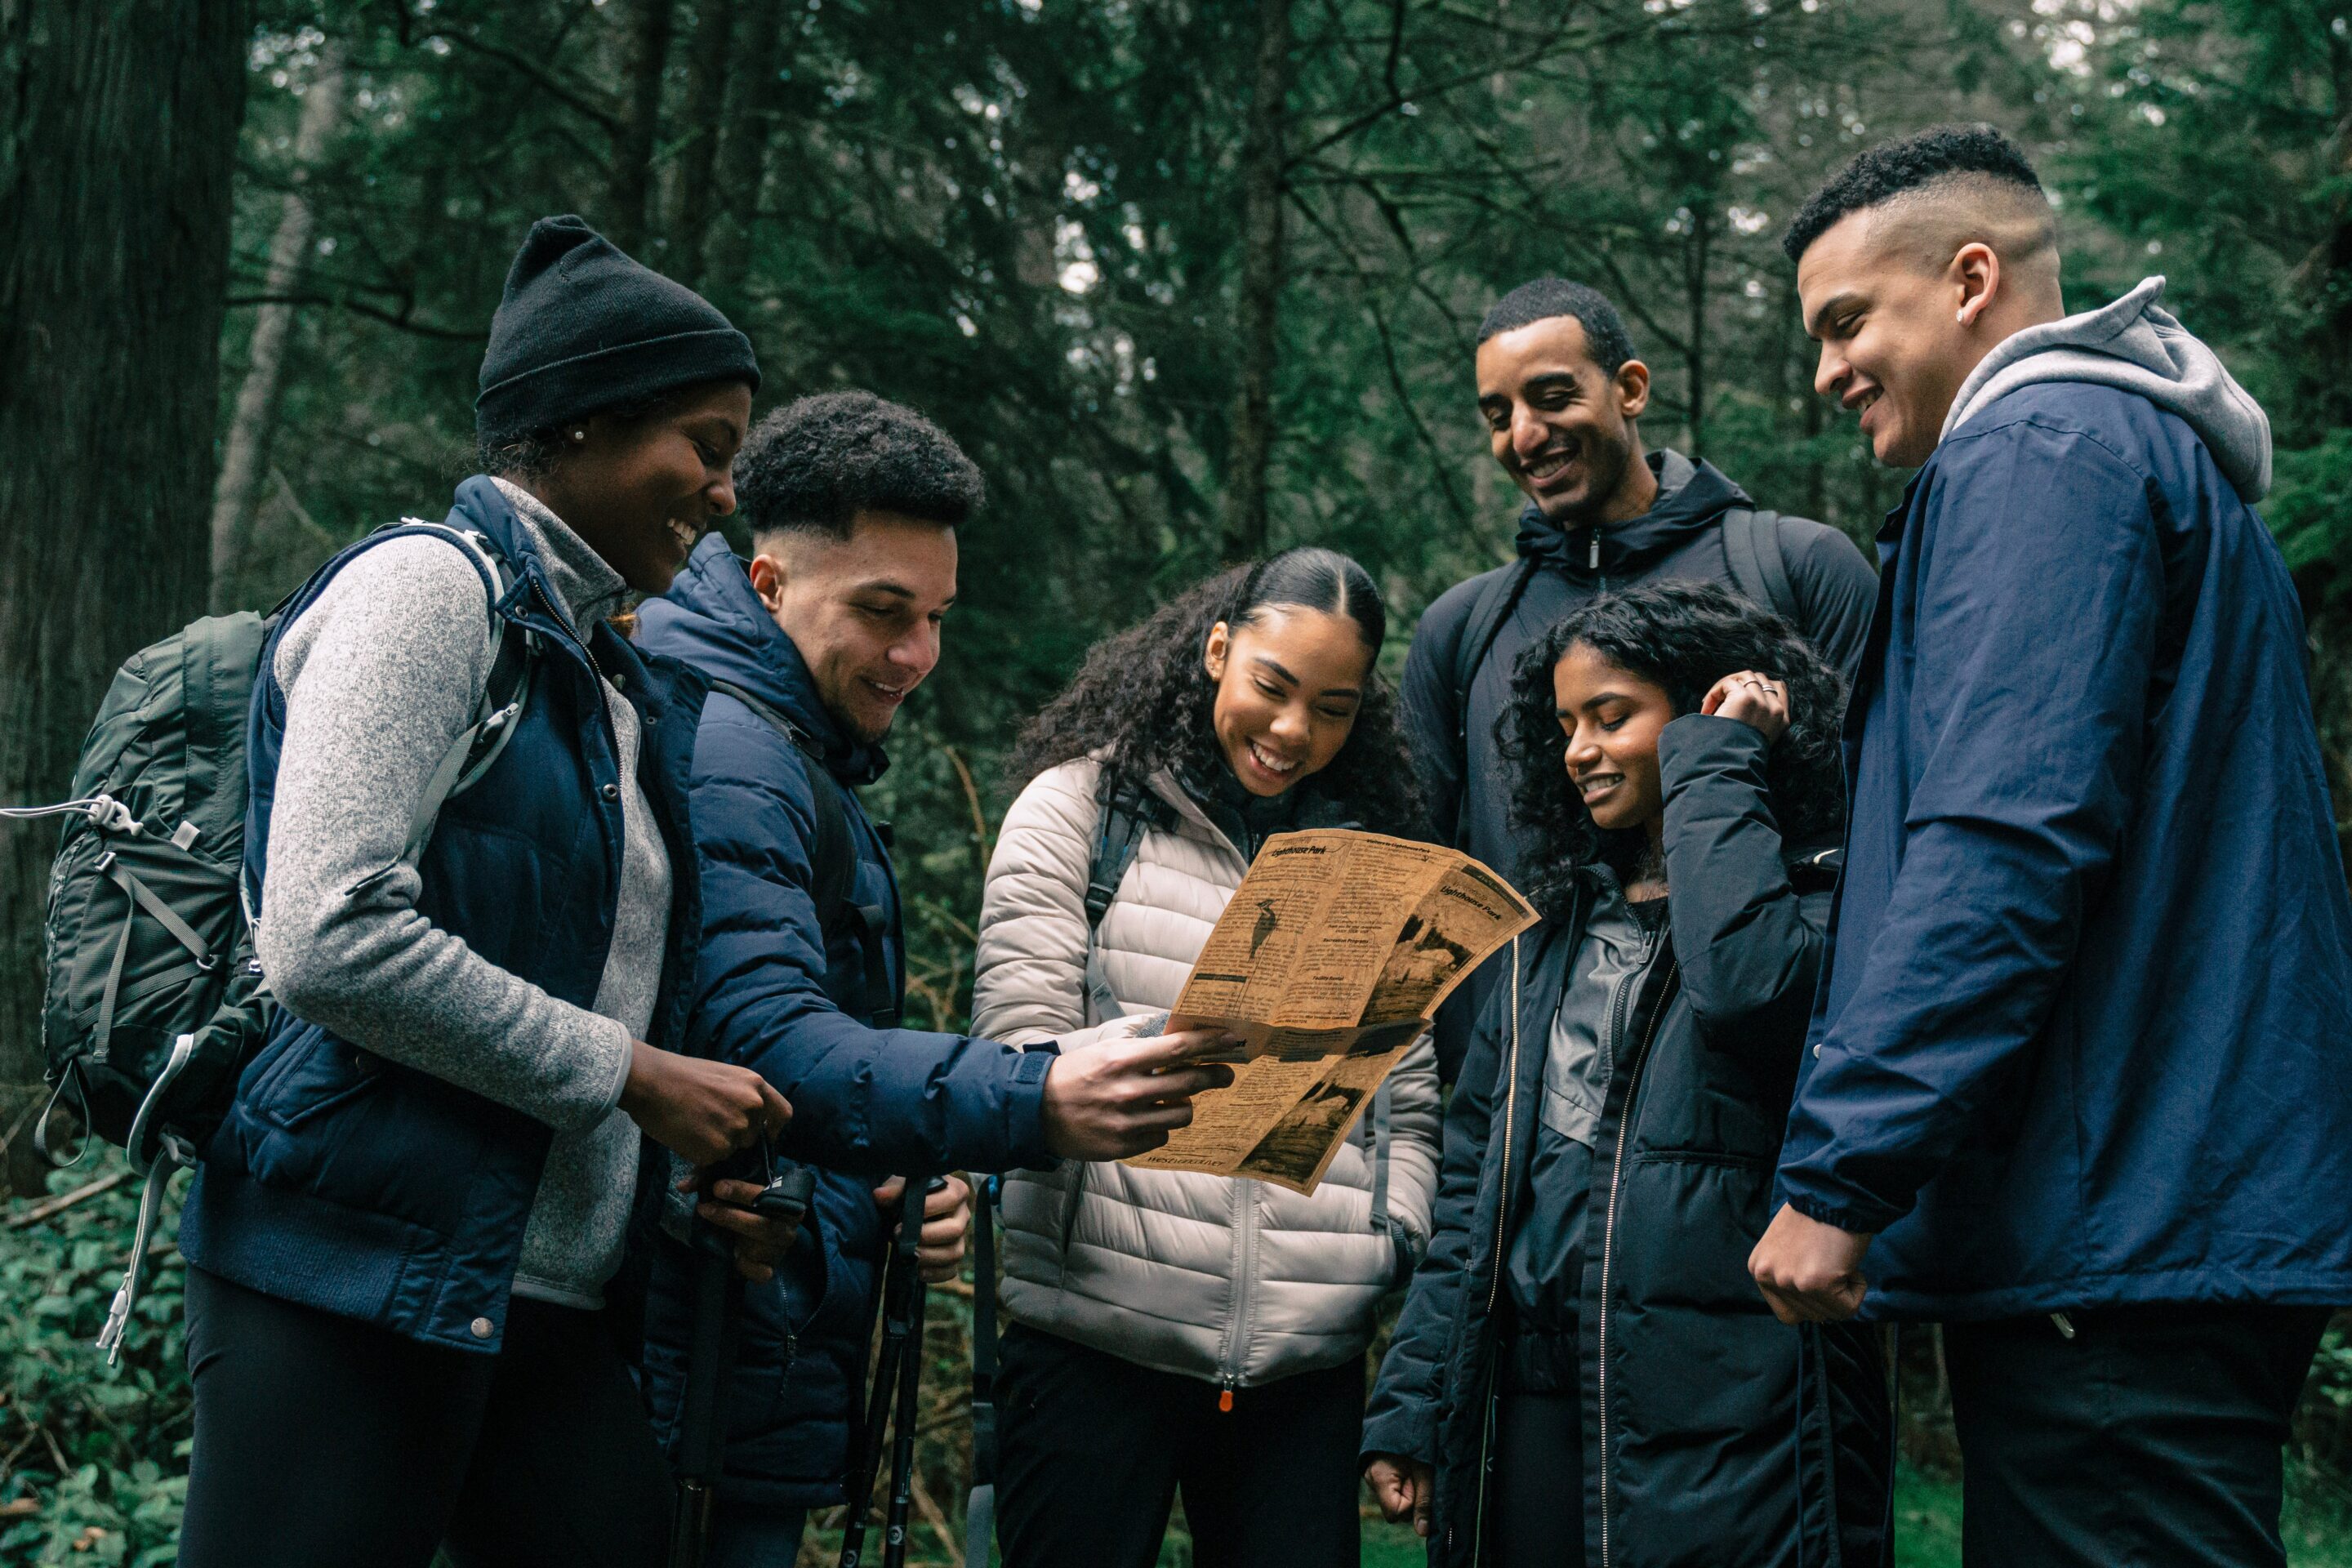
[{"x": 1715, "y": 1436}]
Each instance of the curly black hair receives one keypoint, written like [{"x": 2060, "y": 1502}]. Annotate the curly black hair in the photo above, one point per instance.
[
  {"x": 1681, "y": 637},
  {"x": 814, "y": 464},
  {"x": 1144, "y": 699},
  {"x": 1541, "y": 298},
  {"x": 1887, "y": 171}
]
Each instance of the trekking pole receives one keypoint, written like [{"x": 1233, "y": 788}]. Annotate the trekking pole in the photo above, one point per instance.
[
  {"x": 710, "y": 1357},
  {"x": 910, "y": 1382},
  {"x": 979, "y": 1513},
  {"x": 898, "y": 1361}
]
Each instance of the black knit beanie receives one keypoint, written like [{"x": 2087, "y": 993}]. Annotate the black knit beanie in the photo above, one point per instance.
[{"x": 583, "y": 328}]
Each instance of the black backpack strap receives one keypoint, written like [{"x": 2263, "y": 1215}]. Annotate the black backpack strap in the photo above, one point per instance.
[
  {"x": 1492, "y": 607},
  {"x": 832, "y": 862},
  {"x": 980, "y": 1514},
  {"x": 1752, "y": 545},
  {"x": 1129, "y": 808}
]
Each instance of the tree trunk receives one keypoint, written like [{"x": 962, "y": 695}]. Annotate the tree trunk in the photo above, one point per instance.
[
  {"x": 1694, "y": 269},
  {"x": 644, "y": 55},
  {"x": 702, "y": 112},
  {"x": 753, "y": 95},
  {"x": 245, "y": 455},
  {"x": 118, "y": 132},
  {"x": 1251, "y": 451}
]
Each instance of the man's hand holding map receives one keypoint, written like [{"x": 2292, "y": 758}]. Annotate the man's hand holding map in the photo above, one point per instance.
[{"x": 1329, "y": 960}]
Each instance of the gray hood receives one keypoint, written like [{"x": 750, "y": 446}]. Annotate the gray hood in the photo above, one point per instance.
[{"x": 2135, "y": 346}]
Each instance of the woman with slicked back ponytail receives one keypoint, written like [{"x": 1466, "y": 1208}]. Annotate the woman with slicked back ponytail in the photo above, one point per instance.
[{"x": 1173, "y": 1332}]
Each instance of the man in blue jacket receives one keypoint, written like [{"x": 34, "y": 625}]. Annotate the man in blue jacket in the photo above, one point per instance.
[
  {"x": 812, "y": 647},
  {"x": 2081, "y": 1084}
]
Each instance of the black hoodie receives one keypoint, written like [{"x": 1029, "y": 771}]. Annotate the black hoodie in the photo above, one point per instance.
[{"x": 1679, "y": 538}]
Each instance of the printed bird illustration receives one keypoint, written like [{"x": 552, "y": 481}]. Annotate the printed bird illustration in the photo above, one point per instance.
[{"x": 1264, "y": 927}]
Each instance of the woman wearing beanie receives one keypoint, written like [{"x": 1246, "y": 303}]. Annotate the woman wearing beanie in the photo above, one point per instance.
[
  {"x": 1174, "y": 1332},
  {"x": 400, "y": 1238}
]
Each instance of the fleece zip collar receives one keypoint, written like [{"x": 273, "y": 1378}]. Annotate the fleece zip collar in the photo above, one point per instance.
[{"x": 1691, "y": 498}]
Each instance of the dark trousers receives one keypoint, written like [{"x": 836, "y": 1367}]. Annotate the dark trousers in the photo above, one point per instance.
[
  {"x": 746, "y": 1537},
  {"x": 1536, "y": 1516},
  {"x": 1093, "y": 1449},
  {"x": 2151, "y": 1439},
  {"x": 323, "y": 1442}
]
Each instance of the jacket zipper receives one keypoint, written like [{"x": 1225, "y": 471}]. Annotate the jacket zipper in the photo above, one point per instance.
[
  {"x": 1609, "y": 1230},
  {"x": 1494, "y": 1285},
  {"x": 1244, "y": 1259},
  {"x": 563, "y": 619}
]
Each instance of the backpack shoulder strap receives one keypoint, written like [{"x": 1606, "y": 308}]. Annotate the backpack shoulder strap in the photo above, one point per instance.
[
  {"x": 1492, "y": 607},
  {"x": 512, "y": 651},
  {"x": 1752, "y": 545},
  {"x": 1129, "y": 809},
  {"x": 832, "y": 863}
]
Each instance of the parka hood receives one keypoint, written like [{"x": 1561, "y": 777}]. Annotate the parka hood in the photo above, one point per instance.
[
  {"x": 711, "y": 619},
  {"x": 2135, "y": 346},
  {"x": 1691, "y": 497}
]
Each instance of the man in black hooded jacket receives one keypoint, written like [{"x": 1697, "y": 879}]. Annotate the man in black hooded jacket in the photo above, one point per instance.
[{"x": 1561, "y": 392}]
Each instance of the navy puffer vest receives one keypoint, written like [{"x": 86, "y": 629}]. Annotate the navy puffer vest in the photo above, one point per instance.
[{"x": 377, "y": 1191}]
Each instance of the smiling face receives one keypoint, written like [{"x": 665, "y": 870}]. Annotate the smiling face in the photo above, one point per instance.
[
  {"x": 1561, "y": 426},
  {"x": 1907, "y": 297},
  {"x": 642, "y": 492},
  {"x": 1290, "y": 681},
  {"x": 1611, "y": 718},
  {"x": 864, "y": 612}
]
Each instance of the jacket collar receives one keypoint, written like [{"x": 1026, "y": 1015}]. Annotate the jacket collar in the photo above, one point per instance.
[
  {"x": 1691, "y": 498},
  {"x": 586, "y": 588},
  {"x": 711, "y": 619}
]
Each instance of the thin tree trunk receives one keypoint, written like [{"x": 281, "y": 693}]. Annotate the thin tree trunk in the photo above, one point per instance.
[
  {"x": 701, "y": 112},
  {"x": 118, "y": 133},
  {"x": 1252, "y": 452},
  {"x": 629, "y": 190},
  {"x": 753, "y": 95},
  {"x": 1694, "y": 269},
  {"x": 245, "y": 456}
]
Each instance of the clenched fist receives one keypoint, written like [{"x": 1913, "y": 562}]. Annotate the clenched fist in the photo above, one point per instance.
[
  {"x": 1808, "y": 1272},
  {"x": 699, "y": 1109}
]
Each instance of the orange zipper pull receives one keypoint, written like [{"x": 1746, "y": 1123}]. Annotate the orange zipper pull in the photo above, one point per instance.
[{"x": 1225, "y": 1400}]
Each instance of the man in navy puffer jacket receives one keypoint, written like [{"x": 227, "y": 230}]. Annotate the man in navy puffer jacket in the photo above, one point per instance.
[
  {"x": 2080, "y": 1084},
  {"x": 852, "y": 505}
]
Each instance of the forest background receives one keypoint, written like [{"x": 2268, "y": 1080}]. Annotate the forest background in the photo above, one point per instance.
[{"x": 1190, "y": 279}]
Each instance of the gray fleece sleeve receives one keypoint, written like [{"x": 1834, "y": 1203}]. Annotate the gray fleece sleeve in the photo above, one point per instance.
[{"x": 380, "y": 675}]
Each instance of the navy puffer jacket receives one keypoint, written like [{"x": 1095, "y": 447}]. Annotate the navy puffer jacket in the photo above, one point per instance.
[{"x": 775, "y": 993}]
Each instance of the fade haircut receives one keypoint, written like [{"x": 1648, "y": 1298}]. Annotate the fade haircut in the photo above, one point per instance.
[
  {"x": 1543, "y": 299},
  {"x": 1975, "y": 162},
  {"x": 812, "y": 466}
]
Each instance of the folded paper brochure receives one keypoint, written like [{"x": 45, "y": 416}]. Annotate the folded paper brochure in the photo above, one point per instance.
[{"x": 1329, "y": 963}]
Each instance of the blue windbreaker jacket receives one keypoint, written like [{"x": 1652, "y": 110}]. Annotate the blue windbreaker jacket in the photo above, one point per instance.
[
  {"x": 772, "y": 994},
  {"x": 2085, "y": 1034}
]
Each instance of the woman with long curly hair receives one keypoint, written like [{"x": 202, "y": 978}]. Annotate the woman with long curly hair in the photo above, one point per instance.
[
  {"x": 1585, "y": 1310},
  {"x": 1173, "y": 1330}
]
